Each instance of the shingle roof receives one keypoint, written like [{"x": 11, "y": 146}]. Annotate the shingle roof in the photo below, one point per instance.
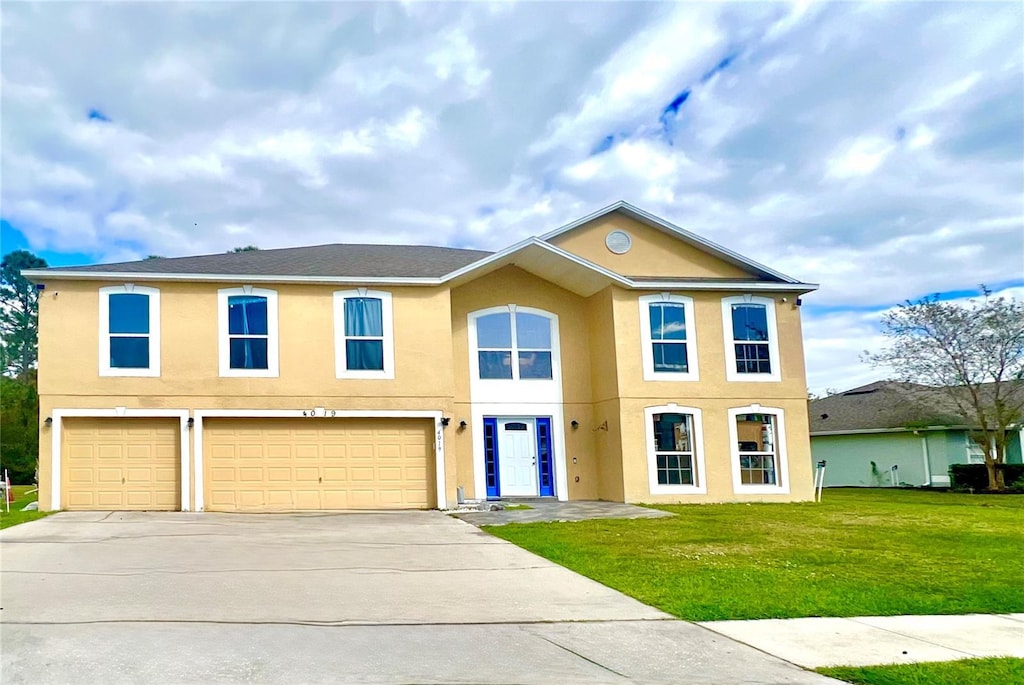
[
  {"x": 883, "y": 404},
  {"x": 331, "y": 261}
]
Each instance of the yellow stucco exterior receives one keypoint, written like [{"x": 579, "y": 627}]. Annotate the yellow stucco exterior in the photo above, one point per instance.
[{"x": 601, "y": 380}]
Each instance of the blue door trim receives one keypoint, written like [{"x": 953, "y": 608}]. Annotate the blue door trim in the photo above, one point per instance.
[
  {"x": 545, "y": 461},
  {"x": 545, "y": 472},
  {"x": 491, "y": 457}
]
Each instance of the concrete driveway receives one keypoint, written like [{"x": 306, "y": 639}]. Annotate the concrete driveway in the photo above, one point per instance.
[{"x": 366, "y": 598}]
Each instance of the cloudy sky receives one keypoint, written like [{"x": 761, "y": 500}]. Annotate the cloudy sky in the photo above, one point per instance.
[{"x": 876, "y": 149}]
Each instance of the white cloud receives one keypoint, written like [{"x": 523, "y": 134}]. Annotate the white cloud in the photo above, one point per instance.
[
  {"x": 860, "y": 157},
  {"x": 874, "y": 148}
]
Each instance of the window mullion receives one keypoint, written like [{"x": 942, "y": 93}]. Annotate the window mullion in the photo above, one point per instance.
[{"x": 515, "y": 346}]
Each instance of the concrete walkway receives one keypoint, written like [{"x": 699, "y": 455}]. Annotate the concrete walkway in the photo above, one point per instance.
[
  {"x": 873, "y": 640},
  {"x": 548, "y": 510},
  {"x": 403, "y": 597}
]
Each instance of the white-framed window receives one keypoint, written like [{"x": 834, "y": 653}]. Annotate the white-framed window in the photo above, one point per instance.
[
  {"x": 512, "y": 343},
  {"x": 975, "y": 452},
  {"x": 751, "y": 339},
  {"x": 129, "y": 331},
  {"x": 668, "y": 337},
  {"x": 675, "y": 450},
  {"x": 758, "y": 443},
  {"x": 364, "y": 336},
  {"x": 247, "y": 332}
]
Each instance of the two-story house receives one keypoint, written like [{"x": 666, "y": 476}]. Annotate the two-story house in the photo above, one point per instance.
[{"x": 618, "y": 358}]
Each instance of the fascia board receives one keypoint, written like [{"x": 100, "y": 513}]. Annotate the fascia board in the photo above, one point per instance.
[{"x": 39, "y": 275}]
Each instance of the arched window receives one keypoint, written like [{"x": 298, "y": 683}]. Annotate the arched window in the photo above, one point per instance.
[{"x": 513, "y": 344}]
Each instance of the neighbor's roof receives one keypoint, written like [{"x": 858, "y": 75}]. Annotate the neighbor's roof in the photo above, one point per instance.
[
  {"x": 328, "y": 261},
  {"x": 883, "y": 405}
]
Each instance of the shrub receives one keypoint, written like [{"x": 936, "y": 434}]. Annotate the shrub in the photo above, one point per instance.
[{"x": 975, "y": 476}]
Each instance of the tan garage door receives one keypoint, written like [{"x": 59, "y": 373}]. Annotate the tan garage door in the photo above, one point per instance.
[
  {"x": 121, "y": 464},
  {"x": 306, "y": 464}
]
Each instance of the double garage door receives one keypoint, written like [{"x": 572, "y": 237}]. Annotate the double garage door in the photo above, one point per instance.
[
  {"x": 251, "y": 464},
  {"x": 304, "y": 464}
]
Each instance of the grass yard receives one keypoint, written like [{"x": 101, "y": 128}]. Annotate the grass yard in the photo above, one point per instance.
[
  {"x": 859, "y": 553},
  {"x": 16, "y": 515},
  {"x": 987, "y": 671}
]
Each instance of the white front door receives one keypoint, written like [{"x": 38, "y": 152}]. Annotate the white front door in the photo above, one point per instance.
[{"x": 517, "y": 457}]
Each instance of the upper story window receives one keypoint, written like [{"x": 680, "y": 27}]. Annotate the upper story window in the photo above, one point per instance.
[
  {"x": 752, "y": 345},
  {"x": 247, "y": 319},
  {"x": 675, "y": 450},
  {"x": 363, "y": 334},
  {"x": 514, "y": 345},
  {"x": 129, "y": 331},
  {"x": 668, "y": 338},
  {"x": 758, "y": 450}
]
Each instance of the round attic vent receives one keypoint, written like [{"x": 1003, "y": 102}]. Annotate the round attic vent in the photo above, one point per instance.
[{"x": 618, "y": 242}]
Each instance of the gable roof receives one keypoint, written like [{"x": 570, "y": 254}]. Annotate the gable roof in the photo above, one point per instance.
[
  {"x": 699, "y": 242},
  {"x": 428, "y": 265}
]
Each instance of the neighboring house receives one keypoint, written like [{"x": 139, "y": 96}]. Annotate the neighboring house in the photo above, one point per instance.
[
  {"x": 864, "y": 432},
  {"x": 618, "y": 358}
]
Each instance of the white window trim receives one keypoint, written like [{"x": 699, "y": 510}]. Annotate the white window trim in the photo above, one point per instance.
[
  {"x": 388, "y": 328},
  {"x": 730, "y": 345},
  {"x": 781, "y": 465},
  {"x": 647, "y": 351},
  {"x": 511, "y": 310},
  {"x": 154, "y": 330},
  {"x": 224, "y": 339},
  {"x": 699, "y": 472}
]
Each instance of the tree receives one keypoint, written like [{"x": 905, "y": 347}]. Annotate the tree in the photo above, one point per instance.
[
  {"x": 19, "y": 427},
  {"x": 972, "y": 355},
  {"x": 247, "y": 248},
  {"x": 19, "y": 313}
]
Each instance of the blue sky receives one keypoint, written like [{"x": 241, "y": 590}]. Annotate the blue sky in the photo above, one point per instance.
[{"x": 875, "y": 148}]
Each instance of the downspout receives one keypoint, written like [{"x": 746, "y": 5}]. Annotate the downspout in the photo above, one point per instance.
[{"x": 927, "y": 466}]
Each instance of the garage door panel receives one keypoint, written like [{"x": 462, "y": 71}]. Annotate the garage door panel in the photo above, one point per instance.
[
  {"x": 307, "y": 474},
  {"x": 334, "y": 474},
  {"x": 310, "y": 464},
  {"x": 121, "y": 463}
]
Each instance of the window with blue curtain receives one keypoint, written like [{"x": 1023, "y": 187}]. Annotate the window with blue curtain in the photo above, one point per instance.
[
  {"x": 129, "y": 331},
  {"x": 364, "y": 334},
  {"x": 668, "y": 337},
  {"x": 248, "y": 331}
]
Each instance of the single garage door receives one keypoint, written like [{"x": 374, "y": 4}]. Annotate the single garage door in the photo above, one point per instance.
[
  {"x": 121, "y": 464},
  {"x": 309, "y": 464}
]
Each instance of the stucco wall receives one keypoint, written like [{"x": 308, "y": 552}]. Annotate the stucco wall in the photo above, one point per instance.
[
  {"x": 69, "y": 358},
  {"x": 601, "y": 364},
  {"x": 654, "y": 252}
]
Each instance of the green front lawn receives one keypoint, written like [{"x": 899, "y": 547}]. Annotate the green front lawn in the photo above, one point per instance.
[
  {"x": 859, "y": 553},
  {"x": 987, "y": 671},
  {"x": 16, "y": 515}
]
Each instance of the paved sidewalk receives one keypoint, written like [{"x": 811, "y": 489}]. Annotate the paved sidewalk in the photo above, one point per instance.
[
  {"x": 559, "y": 511},
  {"x": 875, "y": 640}
]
